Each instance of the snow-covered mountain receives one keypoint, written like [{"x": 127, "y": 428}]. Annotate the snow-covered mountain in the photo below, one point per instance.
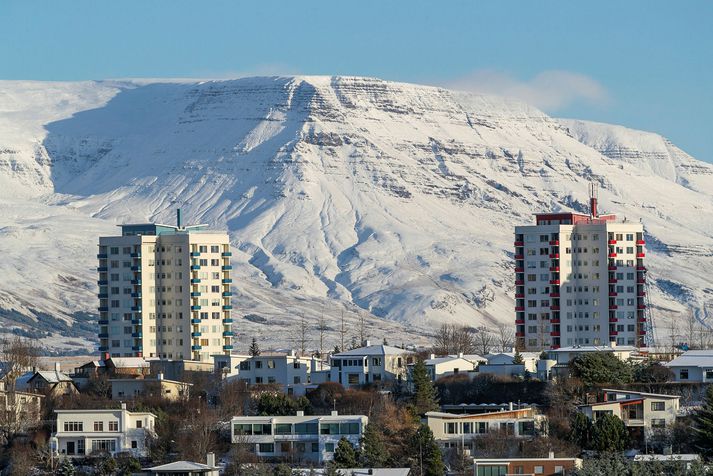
[{"x": 389, "y": 203}]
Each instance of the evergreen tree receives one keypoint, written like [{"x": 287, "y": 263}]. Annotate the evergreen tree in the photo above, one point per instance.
[
  {"x": 66, "y": 468},
  {"x": 330, "y": 469},
  {"x": 703, "y": 425},
  {"x": 599, "y": 368},
  {"x": 345, "y": 456},
  {"x": 610, "y": 434},
  {"x": 581, "y": 431},
  {"x": 426, "y": 453},
  {"x": 254, "y": 348},
  {"x": 517, "y": 359},
  {"x": 373, "y": 449},
  {"x": 425, "y": 398},
  {"x": 336, "y": 350},
  {"x": 282, "y": 469}
]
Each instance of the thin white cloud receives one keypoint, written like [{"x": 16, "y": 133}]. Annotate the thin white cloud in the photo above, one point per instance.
[{"x": 550, "y": 91}]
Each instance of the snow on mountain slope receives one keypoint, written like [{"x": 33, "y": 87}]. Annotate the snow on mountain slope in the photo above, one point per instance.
[{"x": 391, "y": 201}]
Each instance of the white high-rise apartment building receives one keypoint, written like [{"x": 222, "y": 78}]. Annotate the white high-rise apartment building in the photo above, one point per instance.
[
  {"x": 579, "y": 279},
  {"x": 164, "y": 291}
]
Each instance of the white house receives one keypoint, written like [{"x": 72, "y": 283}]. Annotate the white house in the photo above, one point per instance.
[
  {"x": 185, "y": 468},
  {"x": 692, "y": 366},
  {"x": 443, "y": 366},
  {"x": 378, "y": 364},
  {"x": 454, "y": 430},
  {"x": 564, "y": 355},
  {"x": 293, "y": 373},
  {"x": 86, "y": 432},
  {"x": 502, "y": 364},
  {"x": 642, "y": 413},
  {"x": 304, "y": 437}
]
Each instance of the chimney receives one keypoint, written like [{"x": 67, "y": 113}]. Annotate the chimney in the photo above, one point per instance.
[
  {"x": 300, "y": 413},
  {"x": 57, "y": 367},
  {"x": 460, "y": 355},
  {"x": 367, "y": 343},
  {"x": 123, "y": 406},
  {"x": 551, "y": 455},
  {"x": 178, "y": 217},
  {"x": 210, "y": 460},
  {"x": 292, "y": 353},
  {"x": 612, "y": 344},
  {"x": 510, "y": 406},
  {"x": 105, "y": 356},
  {"x": 593, "y": 200},
  {"x": 335, "y": 413},
  {"x": 159, "y": 376},
  {"x": 432, "y": 356}
]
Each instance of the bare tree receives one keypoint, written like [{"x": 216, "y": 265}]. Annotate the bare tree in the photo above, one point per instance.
[
  {"x": 506, "y": 337},
  {"x": 362, "y": 329},
  {"x": 484, "y": 341},
  {"x": 303, "y": 335},
  {"x": 454, "y": 339},
  {"x": 18, "y": 356},
  {"x": 342, "y": 333},
  {"x": 322, "y": 329}
]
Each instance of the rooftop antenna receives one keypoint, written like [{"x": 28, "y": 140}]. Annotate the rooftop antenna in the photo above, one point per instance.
[
  {"x": 178, "y": 218},
  {"x": 593, "y": 195}
]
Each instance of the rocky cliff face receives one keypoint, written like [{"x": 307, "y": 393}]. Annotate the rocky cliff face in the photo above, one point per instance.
[{"x": 393, "y": 203}]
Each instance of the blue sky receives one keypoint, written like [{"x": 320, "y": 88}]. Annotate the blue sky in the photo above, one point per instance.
[{"x": 644, "y": 64}]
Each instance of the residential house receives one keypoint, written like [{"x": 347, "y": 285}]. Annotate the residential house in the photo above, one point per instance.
[
  {"x": 185, "y": 468},
  {"x": 301, "y": 437},
  {"x": 292, "y": 373},
  {"x": 550, "y": 466},
  {"x": 443, "y": 366},
  {"x": 453, "y": 430},
  {"x": 130, "y": 388},
  {"x": 19, "y": 410},
  {"x": 354, "y": 472},
  {"x": 642, "y": 413},
  {"x": 50, "y": 382},
  {"x": 86, "y": 432},
  {"x": 564, "y": 355},
  {"x": 502, "y": 363},
  {"x": 372, "y": 364},
  {"x": 180, "y": 369},
  {"x": 692, "y": 366}
]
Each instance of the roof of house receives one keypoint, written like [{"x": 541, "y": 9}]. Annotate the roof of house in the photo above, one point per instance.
[
  {"x": 444, "y": 359},
  {"x": 693, "y": 358},
  {"x": 514, "y": 413},
  {"x": 51, "y": 376},
  {"x": 181, "y": 466},
  {"x": 299, "y": 418},
  {"x": 149, "y": 380},
  {"x": 524, "y": 355},
  {"x": 374, "y": 350},
  {"x": 672, "y": 457},
  {"x": 357, "y": 471},
  {"x": 101, "y": 410},
  {"x": 593, "y": 348},
  {"x": 643, "y": 394},
  {"x": 130, "y": 362}
]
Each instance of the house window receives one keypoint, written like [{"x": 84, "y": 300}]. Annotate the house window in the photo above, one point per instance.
[
  {"x": 658, "y": 423},
  {"x": 709, "y": 374},
  {"x": 683, "y": 374},
  {"x": 539, "y": 470},
  {"x": 315, "y": 447},
  {"x": 73, "y": 426},
  {"x": 139, "y": 424},
  {"x": 266, "y": 448},
  {"x": 658, "y": 406},
  {"x": 102, "y": 446},
  {"x": 270, "y": 364},
  {"x": 98, "y": 426},
  {"x": 296, "y": 365},
  {"x": 329, "y": 447},
  {"x": 451, "y": 428},
  {"x": 113, "y": 426},
  {"x": 134, "y": 444}
]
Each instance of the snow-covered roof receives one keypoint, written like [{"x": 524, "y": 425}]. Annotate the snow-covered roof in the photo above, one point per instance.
[
  {"x": 693, "y": 358},
  {"x": 676, "y": 457},
  {"x": 130, "y": 362},
  {"x": 356, "y": 471},
  {"x": 373, "y": 350},
  {"x": 182, "y": 466},
  {"x": 444, "y": 359},
  {"x": 52, "y": 376}
]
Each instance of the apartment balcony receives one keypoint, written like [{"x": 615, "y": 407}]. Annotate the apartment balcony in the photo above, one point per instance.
[
  {"x": 195, "y": 280},
  {"x": 519, "y": 270},
  {"x": 195, "y": 254},
  {"x": 519, "y": 243},
  {"x": 195, "y": 293},
  {"x": 554, "y": 242},
  {"x": 613, "y": 280},
  {"x": 196, "y": 334},
  {"x": 226, "y": 254},
  {"x": 642, "y": 332},
  {"x": 227, "y": 280},
  {"x": 136, "y": 295},
  {"x": 555, "y": 333},
  {"x": 641, "y": 306},
  {"x": 195, "y": 308},
  {"x": 227, "y": 347},
  {"x": 611, "y": 242},
  {"x": 103, "y": 322},
  {"x": 519, "y": 256},
  {"x": 227, "y": 308},
  {"x": 641, "y": 319},
  {"x": 102, "y": 282},
  {"x": 612, "y": 268},
  {"x": 136, "y": 308},
  {"x": 519, "y": 282},
  {"x": 195, "y": 321},
  {"x": 227, "y": 294},
  {"x": 103, "y": 348},
  {"x": 519, "y": 321},
  {"x": 640, "y": 255},
  {"x": 641, "y": 294},
  {"x": 554, "y": 268},
  {"x": 136, "y": 322},
  {"x": 554, "y": 295},
  {"x": 633, "y": 422},
  {"x": 519, "y": 308},
  {"x": 228, "y": 320},
  {"x": 554, "y": 255},
  {"x": 613, "y": 320},
  {"x": 640, "y": 242},
  {"x": 103, "y": 308},
  {"x": 228, "y": 334},
  {"x": 554, "y": 281},
  {"x": 612, "y": 255},
  {"x": 641, "y": 281},
  {"x": 136, "y": 348},
  {"x": 554, "y": 308},
  {"x": 102, "y": 269},
  {"x": 102, "y": 256},
  {"x": 137, "y": 335},
  {"x": 519, "y": 334},
  {"x": 135, "y": 255},
  {"x": 555, "y": 320},
  {"x": 613, "y": 333},
  {"x": 613, "y": 306},
  {"x": 136, "y": 268},
  {"x": 196, "y": 347},
  {"x": 640, "y": 268},
  {"x": 226, "y": 267},
  {"x": 136, "y": 282},
  {"x": 195, "y": 266},
  {"x": 103, "y": 335},
  {"x": 103, "y": 295}
]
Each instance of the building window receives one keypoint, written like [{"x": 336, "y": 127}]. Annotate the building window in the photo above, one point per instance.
[
  {"x": 270, "y": 364},
  {"x": 139, "y": 424},
  {"x": 658, "y": 406},
  {"x": 102, "y": 446},
  {"x": 539, "y": 470},
  {"x": 98, "y": 426},
  {"x": 683, "y": 374},
  {"x": 113, "y": 426},
  {"x": 266, "y": 448},
  {"x": 74, "y": 425},
  {"x": 658, "y": 423},
  {"x": 329, "y": 447},
  {"x": 134, "y": 444}
]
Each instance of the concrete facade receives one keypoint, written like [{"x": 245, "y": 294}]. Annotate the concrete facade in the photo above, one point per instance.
[{"x": 372, "y": 364}]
